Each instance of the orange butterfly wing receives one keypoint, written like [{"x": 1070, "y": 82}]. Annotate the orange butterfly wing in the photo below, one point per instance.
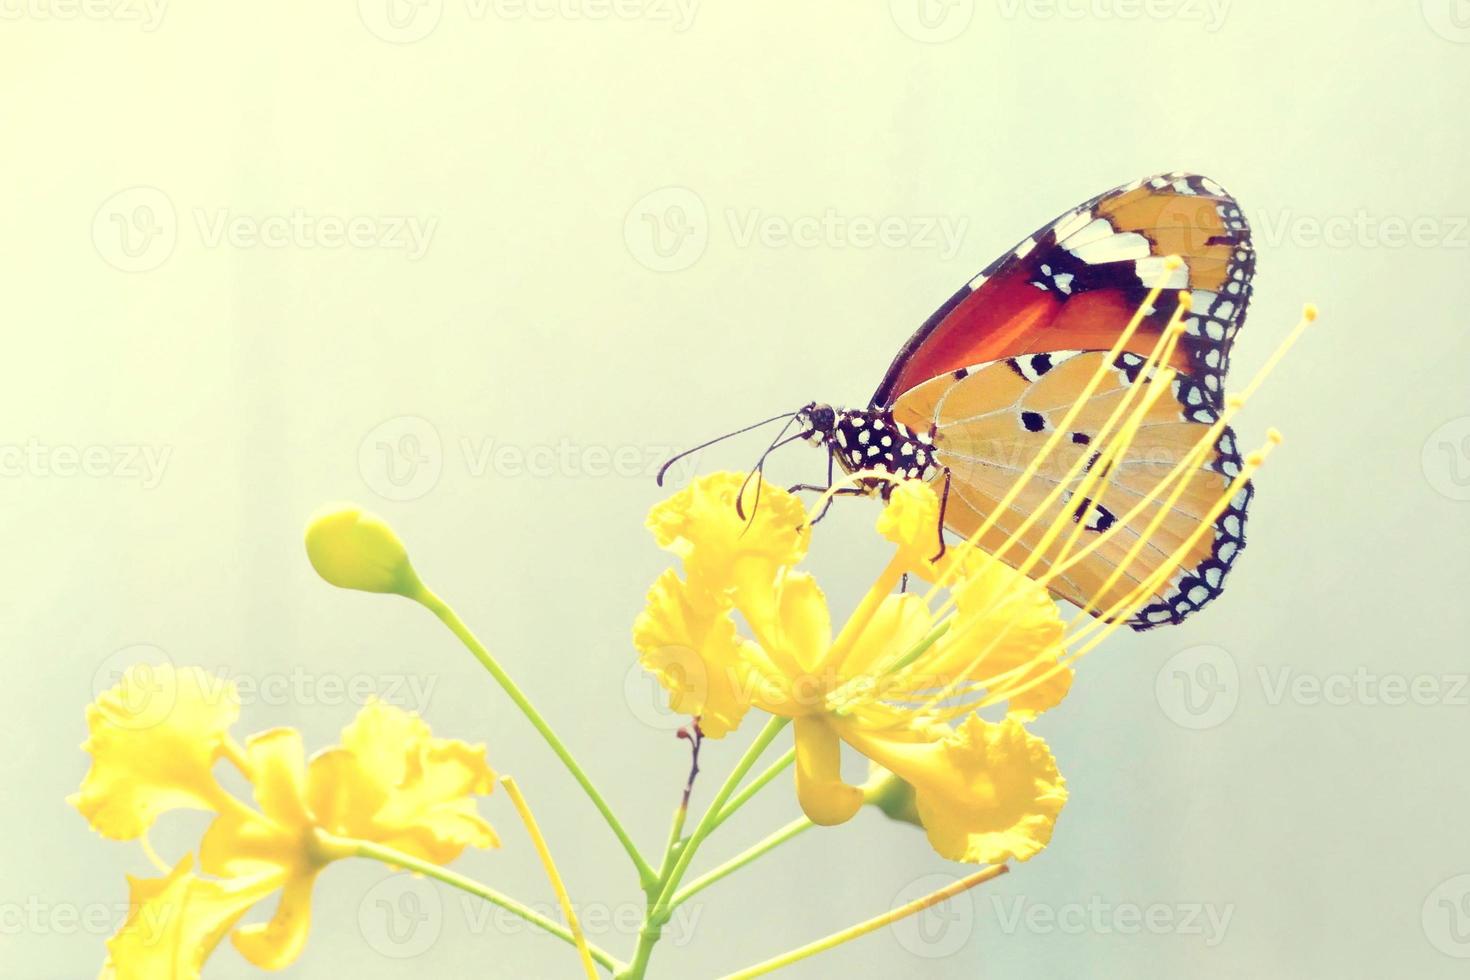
[{"x": 995, "y": 367}]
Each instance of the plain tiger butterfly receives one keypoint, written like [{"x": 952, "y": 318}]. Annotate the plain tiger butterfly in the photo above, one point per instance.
[{"x": 976, "y": 393}]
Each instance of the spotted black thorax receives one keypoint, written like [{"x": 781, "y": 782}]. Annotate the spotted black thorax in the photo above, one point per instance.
[{"x": 871, "y": 440}]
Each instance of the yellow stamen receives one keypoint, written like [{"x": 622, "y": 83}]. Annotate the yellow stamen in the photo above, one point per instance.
[
  {"x": 1171, "y": 263},
  {"x": 557, "y": 885},
  {"x": 1117, "y": 615},
  {"x": 1153, "y": 387},
  {"x": 1205, "y": 444}
]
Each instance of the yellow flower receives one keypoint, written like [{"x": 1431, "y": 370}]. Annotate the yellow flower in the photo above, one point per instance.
[
  {"x": 353, "y": 549},
  {"x": 390, "y": 782},
  {"x": 885, "y": 684}
]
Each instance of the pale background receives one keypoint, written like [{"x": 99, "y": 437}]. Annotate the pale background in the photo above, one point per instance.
[{"x": 540, "y": 314}]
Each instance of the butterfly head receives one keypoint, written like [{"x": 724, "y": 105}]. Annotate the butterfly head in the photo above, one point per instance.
[{"x": 818, "y": 421}]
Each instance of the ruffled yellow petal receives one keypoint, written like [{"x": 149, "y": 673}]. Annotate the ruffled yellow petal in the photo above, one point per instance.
[
  {"x": 985, "y": 792},
  {"x": 720, "y": 549},
  {"x": 824, "y": 797},
  {"x": 154, "y": 739},
  {"x": 242, "y": 842},
  {"x": 276, "y": 944},
  {"x": 391, "y": 782},
  {"x": 175, "y": 922},
  {"x": 691, "y": 646}
]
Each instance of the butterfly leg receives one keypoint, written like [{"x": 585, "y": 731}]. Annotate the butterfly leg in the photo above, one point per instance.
[
  {"x": 943, "y": 505},
  {"x": 841, "y": 492}
]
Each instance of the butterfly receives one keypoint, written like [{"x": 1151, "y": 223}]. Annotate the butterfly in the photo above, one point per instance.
[{"x": 977, "y": 391}]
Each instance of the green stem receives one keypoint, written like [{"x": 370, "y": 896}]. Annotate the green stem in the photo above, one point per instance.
[
  {"x": 756, "y": 786},
  {"x": 770, "y": 843},
  {"x": 659, "y": 914},
  {"x": 388, "y": 855},
  {"x": 649, "y": 933},
  {"x": 646, "y": 875}
]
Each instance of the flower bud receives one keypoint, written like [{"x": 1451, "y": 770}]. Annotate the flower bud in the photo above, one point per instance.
[{"x": 353, "y": 549}]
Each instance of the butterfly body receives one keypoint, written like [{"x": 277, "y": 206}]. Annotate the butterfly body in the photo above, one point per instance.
[
  {"x": 979, "y": 392},
  {"x": 871, "y": 439}
]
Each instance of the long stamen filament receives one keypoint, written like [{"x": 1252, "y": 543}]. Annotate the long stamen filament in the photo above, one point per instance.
[
  {"x": 1113, "y": 448},
  {"x": 1117, "y": 615},
  {"x": 1171, "y": 263}
]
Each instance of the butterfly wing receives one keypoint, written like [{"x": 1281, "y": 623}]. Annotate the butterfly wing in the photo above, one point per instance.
[
  {"x": 994, "y": 369},
  {"x": 1075, "y": 283},
  {"x": 990, "y": 424}
]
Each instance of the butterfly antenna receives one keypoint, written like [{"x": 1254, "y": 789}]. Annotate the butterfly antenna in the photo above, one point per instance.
[
  {"x": 664, "y": 469},
  {"x": 760, "y": 468}
]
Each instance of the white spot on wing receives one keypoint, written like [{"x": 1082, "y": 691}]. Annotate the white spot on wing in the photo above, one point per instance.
[
  {"x": 1151, "y": 270},
  {"x": 1115, "y": 248},
  {"x": 1094, "y": 231},
  {"x": 1072, "y": 224}
]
